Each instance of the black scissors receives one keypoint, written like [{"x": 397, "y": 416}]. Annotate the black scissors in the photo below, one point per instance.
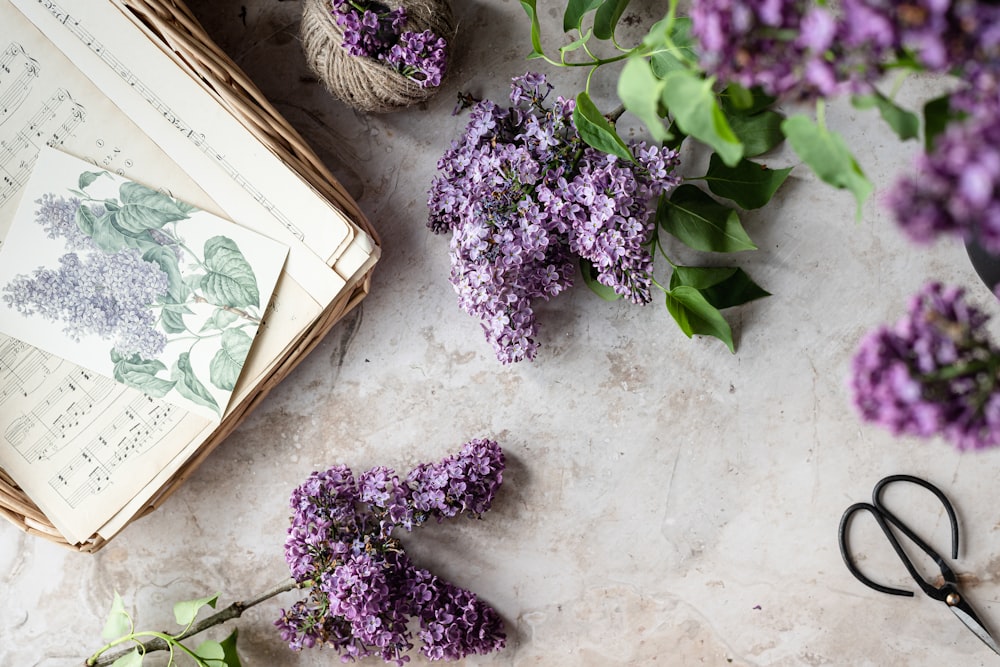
[{"x": 948, "y": 591}]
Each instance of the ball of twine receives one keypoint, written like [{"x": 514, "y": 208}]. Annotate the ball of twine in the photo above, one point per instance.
[{"x": 366, "y": 83}]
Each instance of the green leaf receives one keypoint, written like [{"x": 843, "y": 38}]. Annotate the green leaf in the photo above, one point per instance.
[
  {"x": 219, "y": 320},
  {"x": 575, "y": 11},
  {"x": 188, "y": 385},
  {"x": 904, "y": 123},
  {"x": 598, "y": 288},
  {"x": 232, "y": 658},
  {"x": 186, "y": 611},
  {"x": 102, "y": 230},
  {"x": 536, "y": 30},
  {"x": 212, "y": 653},
  {"x": 140, "y": 373},
  {"x": 937, "y": 115},
  {"x": 639, "y": 91},
  {"x": 166, "y": 259},
  {"x": 694, "y": 106},
  {"x": 696, "y": 316},
  {"x": 759, "y": 132},
  {"x": 131, "y": 659},
  {"x": 88, "y": 177},
  {"x": 701, "y": 222},
  {"x": 574, "y": 45},
  {"x": 749, "y": 184},
  {"x": 739, "y": 97},
  {"x": 144, "y": 209},
  {"x": 672, "y": 46},
  {"x": 828, "y": 156},
  {"x": 722, "y": 287},
  {"x": 118, "y": 623},
  {"x": 761, "y": 101},
  {"x": 230, "y": 280},
  {"x": 595, "y": 129},
  {"x": 607, "y": 17},
  {"x": 227, "y": 364}
]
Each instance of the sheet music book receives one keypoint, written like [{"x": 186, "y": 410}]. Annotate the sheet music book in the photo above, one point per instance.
[{"x": 84, "y": 78}]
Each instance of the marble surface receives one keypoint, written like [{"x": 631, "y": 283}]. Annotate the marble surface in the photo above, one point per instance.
[{"x": 666, "y": 502}]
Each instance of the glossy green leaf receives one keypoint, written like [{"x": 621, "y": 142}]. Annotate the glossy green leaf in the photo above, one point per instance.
[
  {"x": 739, "y": 97},
  {"x": 696, "y": 316},
  {"x": 723, "y": 287},
  {"x": 749, "y": 184},
  {"x": 187, "y": 610},
  {"x": 119, "y": 623},
  {"x": 131, "y": 659},
  {"x": 759, "y": 132},
  {"x": 761, "y": 101},
  {"x": 536, "y": 30},
  {"x": 227, "y": 363},
  {"x": 639, "y": 91},
  {"x": 188, "y": 385},
  {"x": 212, "y": 653},
  {"x": 828, "y": 156},
  {"x": 700, "y": 277},
  {"x": 230, "y": 280},
  {"x": 575, "y": 11},
  {"x": 595, "y": 129},
  {"x": 694, "y": 106},
  {"x": 904, "y": 123},
  {"x": 232, "y": 658},
  {"x": 606, "y": 18},
  {"x": 590, "y": 280},
  {"x": 701, "y": 222},
  {"x": 141, "y": 374},
  {"x": 144, "y": 208}
]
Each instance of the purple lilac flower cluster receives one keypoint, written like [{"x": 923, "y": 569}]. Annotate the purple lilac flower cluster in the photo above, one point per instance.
[
  {"x": 374, "y": 31},
  {"x": 524, "y": 197},
  {"x": 934, "y": 373},
  {"x": 92, "y": 292},
  {"x": 363, "y": 589}
]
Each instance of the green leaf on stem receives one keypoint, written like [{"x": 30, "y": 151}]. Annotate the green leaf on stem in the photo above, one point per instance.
[
  {"x": 145, "y": 208},
  {"x": 904, "y": 123},
  {"x": 230, "y": 280},
  {"x": 575, "y": 11},
  {"x": 695, "y": 107},
  {"x": 573, "y": 46},
  {"x": 696, "y": 316},
  {"x": 187, "y": 610},
  {"x": 88, "y": 177},
  {"x": 606, "y": 19},
  {"x": 131, "y": 659},
  {"x": 639, "y": 91},
  {"x": 723, "y": 287},
  {"x": 673, "y": 46},
  {"x": 828, "y": 156},
  {"x": 739, "y": 97},
  {"x": 749, "y": 184},
  {"x": 536, "y": 29},
  {"x": 227, "y": 364},
  {"x": 118, "y": 623},
  {"x": 760, "y": 132},
  {"x": 595, "y": 129},
  {"x": 211, "y": 653},
  {"x": 232, "y": 658},
  {"x": 140, "y": 373},
  {"x": 188, "y": 385},
  {"x": 590, "y": 280},
  {"x": 701, "y": 222}
]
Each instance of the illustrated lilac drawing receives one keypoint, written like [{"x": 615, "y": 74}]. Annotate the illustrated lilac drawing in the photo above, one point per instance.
[
  {"x": 128, "y": 277},
  {"x": 363, "y": 589}
]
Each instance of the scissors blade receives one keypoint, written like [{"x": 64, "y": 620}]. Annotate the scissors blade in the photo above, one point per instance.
[{"x": 965, "y": 614}]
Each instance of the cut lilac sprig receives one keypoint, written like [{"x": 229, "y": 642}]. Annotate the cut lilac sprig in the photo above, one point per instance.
[
  {"x": 363, "y": 589},
  {"x": 935, "y": 373}
]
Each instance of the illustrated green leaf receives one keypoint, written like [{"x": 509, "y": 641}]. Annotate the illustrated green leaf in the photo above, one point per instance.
[
  {"x": 595, "y": 129},
  {"x": 118, "y": 623},
  {"x": 722, "y": 287},
  {"x": 144, "y": 208},
  {"x": 230, "y": 280},
  {"x": 606, "y": 19},
  {"x": 88, "y": 177},
  {"x": 598, "y": 288},
  {"x": 937, "y": 115},
  {"x": 639, "y": 91},
  {"x": 131, "y": 659},
  {"x": 212, "y": 653},
  {"x": 141, "y": 374},
  {"x": 828, "y": 156},
  {"x": 166, "y": 259},
  {"x": 696, "y": 316},
  {"x": 575, "y": 11},
  {"x": 759, "y": 132},
  {"x": 227, "y": 364},
  {"x": 904, "y": 123},
  {"x": 187, "y": 610},
  {"x": 188, "y": 385},
  {"x": 102, "y": 230},
  {"x": 701, "y": 222},
  {"x": 232, "y": 658},
  {"x": 749, "y": 184},
  {"x": 694, "y": 106},
  {"x": 219, "y": 320},
  {"x": 536, "y": 30}
]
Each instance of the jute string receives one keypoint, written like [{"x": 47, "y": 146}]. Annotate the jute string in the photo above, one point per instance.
[{"x": 365, "y": 83}]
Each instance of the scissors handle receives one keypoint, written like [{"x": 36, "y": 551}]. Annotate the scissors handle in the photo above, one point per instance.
[{"x": 884, "y": 518}]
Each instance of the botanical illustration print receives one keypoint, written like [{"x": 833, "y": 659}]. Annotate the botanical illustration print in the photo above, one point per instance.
[{"x": 173, "y": 312}]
